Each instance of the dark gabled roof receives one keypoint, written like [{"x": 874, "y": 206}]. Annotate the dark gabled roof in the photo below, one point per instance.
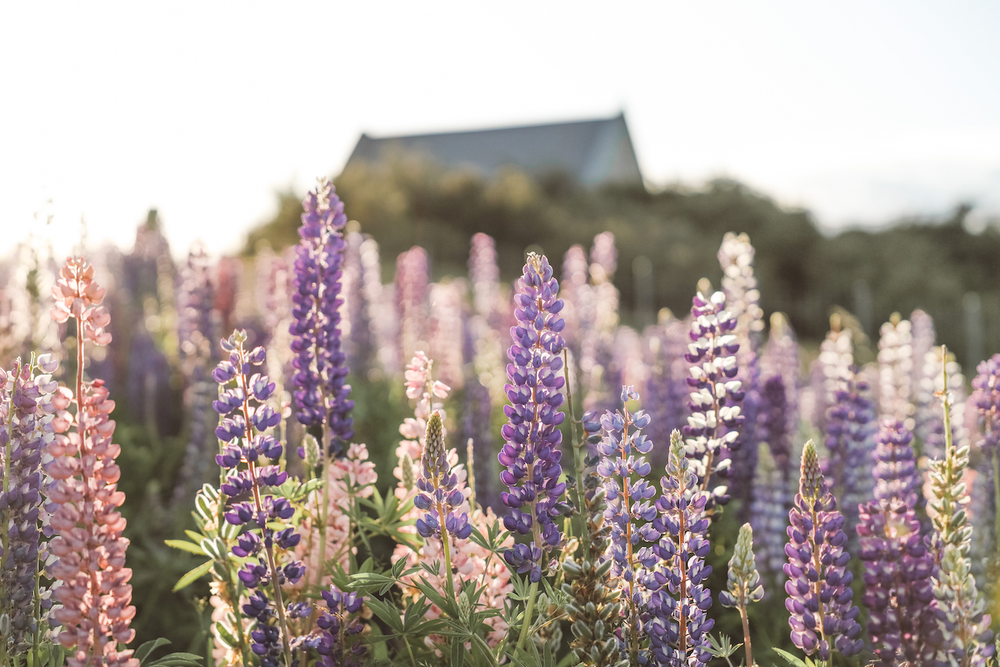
[{"x": 593, "y": 152}]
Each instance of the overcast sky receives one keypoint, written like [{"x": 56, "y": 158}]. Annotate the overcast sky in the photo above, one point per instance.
[{"x": 859, "y": 111}]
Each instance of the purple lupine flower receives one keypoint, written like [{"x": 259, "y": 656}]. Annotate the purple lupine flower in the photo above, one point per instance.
[
  {"x": 359, "y": 340},
  {"x": 769, "y": 517},
  {"x": 445, "y": 328},
  {"x": 850, "y": 429},
  {"x": 902, "y": 621},
  {"x": 629, "y": 510},
  {"x": 781, "y": 357},
  {"x": 772, "y": 423},
  {"x": 340, "y": 644},
  {"x": 438, "y": 494},
  {"x": 412, "y": 292},
  {"x": 477, "y": 414},
  {"x": 600, "y": 372},
  {"x": 247, "y": 444},
  {"x": 986, "y": 399},
  {"x": 666, "y": 385},
  {"x": 196, "y": 321},
  {"x": 24, "y": 421},
  {"x": 678, "y": 627},
  {"x": 819, "y": 584},
  {"x": 712, "y": 429},
  {"x": 531, "y": 452},
  {"x": 321, "y": 394}
]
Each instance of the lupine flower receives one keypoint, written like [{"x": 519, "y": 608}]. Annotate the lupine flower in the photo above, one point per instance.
[
  {"x": 600, "y": 373},
  {"x": 195, "y": 324},
  {"x": 895, "y": 369},
  {"x": 445, "y": 331},
  {"x": 244, "y": 431},
  {"x": 666, "y": 385},
  {"x": 819, "y": 584},
  {"x": 412, "y": 280},
  {"x": 477, "y": 414},
  {"x": 579, "y": 300},
  {"x": 781, "y": 358},
  {"x": 321, "y": 395},
  {"x": 772, "y": 423},
  {"x": 438, "y": 496},
  {"x": 94, "y": 591},
  {"x": 921, "y": 344},
  {"x": 26, "y": 414},
  {"x": 485, "y": 276},
  {"x": 531, "y": 451},
  {"x": 629, "y": 510},
  {"x": 897, "y": 580},
  {"x": 678, "y": 627},
  {"x": 356, "y": 311},
  {"x": 965, "y": 628},
  {"x": 850, "y": 427},
  {"x": 420, "y": 386},
  {"x": 340, "y": 644},
  {"x": 769, "y": 516},
  {"x": 712, "y": 429},
  {"x": 743, "y": 586},
  {"x": 986, "y": 399},
  {"x": 593, "y": 609}
]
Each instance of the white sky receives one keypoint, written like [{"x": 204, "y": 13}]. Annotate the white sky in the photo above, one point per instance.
[{"x": 860, "y": 111}]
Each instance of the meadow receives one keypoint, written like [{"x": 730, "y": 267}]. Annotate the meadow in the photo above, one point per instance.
[{"x": 285, "y": 459}]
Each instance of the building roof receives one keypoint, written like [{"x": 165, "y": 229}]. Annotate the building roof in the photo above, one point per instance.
[{"x": 592, "y": 152}]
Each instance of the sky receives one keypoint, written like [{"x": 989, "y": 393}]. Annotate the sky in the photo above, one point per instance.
[{"x": 861, "y": 112}]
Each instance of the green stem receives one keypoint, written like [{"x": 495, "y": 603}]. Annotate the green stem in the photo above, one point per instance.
[
  {"x": 746, "y": 633},
  {"x": 447, "y": 554},
  {"x": 413, "y": 661},
  {"x": 527, "y": 614},
  {"x": 578, "y": 459},
  {"x": 321, "y": 565}
]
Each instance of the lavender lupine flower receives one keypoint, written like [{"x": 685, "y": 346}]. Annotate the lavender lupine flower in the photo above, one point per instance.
[
  {"x": 711, "y": 432},
  {"x": 438, "y": 494},
  {"x": 850, "y": 428},
  {"x": 340, "y": 644},
  {"x": 769, "y": 516},
  {"x": 772, "y": 423},
  {"x": 594, "y": 607},
  {"x": 531, "y": 451},
  {"x": 902, "y": 621},
  {"x": 601, "y": 375},
  {"x": 819, "y": 585},
  {"x": 196, "y": 322},
  {"x": 965, "y": 628},
  {"x": 477, "y": 414},
  {"x": 629, "y": 510},
  {"x": 24, "y": 422},
  {"x": 321, "y": 395},
  {"x": 986, "y": 399},
  {"x": 359, "y": 341},
  {"x": 678, "y": 627},
  {"x": 244, "y": 429},
  {"x": 781, "y": 357}
]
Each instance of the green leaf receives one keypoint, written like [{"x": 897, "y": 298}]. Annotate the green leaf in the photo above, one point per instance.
[
  {"x": 143, "y": 651},
  {"x": 226, "y": 636},
  {"x": 386, "y": 613},
  {"x": 791, "y": 659},
  {"x": 184, "y": 545},
  {"x": 178, "y": 660},
  {"x": 193, "y": 576}
]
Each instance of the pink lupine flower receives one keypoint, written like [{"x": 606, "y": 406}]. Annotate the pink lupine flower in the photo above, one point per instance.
[{"x": 94, "y": 593}]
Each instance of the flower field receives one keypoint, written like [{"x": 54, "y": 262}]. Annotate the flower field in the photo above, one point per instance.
[{"x": 289, "y": 461}]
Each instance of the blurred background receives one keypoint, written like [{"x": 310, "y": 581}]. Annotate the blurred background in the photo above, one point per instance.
[{"x": 857, "y": 145}]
